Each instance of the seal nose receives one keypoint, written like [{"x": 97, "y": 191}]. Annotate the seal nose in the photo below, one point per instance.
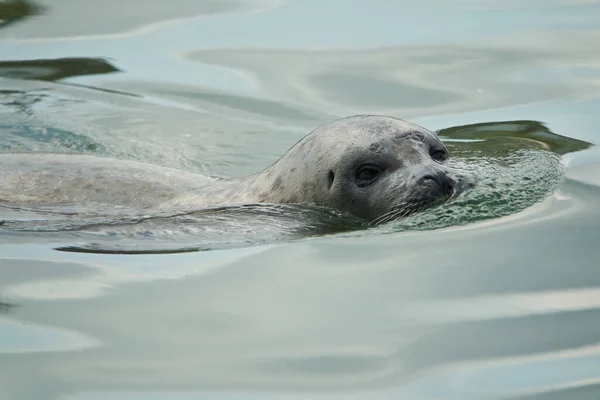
[{"x": 445, "y": 183}]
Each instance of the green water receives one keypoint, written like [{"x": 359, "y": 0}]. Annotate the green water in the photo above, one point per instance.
[{"x": 499, "y": 298}]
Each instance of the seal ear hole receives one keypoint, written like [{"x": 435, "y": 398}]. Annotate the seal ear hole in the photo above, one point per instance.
[{"x": 330, "y": 178}]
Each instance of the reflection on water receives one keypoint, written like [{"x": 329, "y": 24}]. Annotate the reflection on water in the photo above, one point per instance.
[
  {"x": 53, "y": 70},
  {"x": 112, "y": 17},
  {"x": 330, "y": 316},
  {"x": 499, "y": 138},
  {"x": 31, "y": 138},
  {"x": 12, "y": 11},
  {"x": 366, "y": 90},
  {"x": 5, "y": 307},
  {"x": 17, "y": 338},
  {"x": 244, "y": 104},
  {"x": 423, "y": 80}
]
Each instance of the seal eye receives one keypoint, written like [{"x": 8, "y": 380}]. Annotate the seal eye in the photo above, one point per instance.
[
  {"x": 366, "y": 174},
  {"x": 438, "y": 155}
]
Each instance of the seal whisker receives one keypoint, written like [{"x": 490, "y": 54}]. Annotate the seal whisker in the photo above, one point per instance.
[
  {"x": 396, "y": 212},
  {"x": 381, "y": 218},
  {"x": 401, "y": 211}
]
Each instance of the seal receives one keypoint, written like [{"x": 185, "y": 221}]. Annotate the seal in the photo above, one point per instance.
[{"x": 377, "y": 168}]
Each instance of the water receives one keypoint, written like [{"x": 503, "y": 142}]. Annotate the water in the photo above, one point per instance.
[{"x": 502, "y": 301}]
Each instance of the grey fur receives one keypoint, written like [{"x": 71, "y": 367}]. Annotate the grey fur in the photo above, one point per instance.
[{"x": 320, "y": 169}]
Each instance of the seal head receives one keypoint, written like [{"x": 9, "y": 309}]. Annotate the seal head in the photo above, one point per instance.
[{"x": 376, "y": 167}]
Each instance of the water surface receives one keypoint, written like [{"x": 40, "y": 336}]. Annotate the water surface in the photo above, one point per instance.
[{"x": 500, "y": 307}]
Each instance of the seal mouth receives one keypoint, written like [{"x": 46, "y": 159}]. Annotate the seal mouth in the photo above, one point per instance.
[{"x": 436, "y": 193}]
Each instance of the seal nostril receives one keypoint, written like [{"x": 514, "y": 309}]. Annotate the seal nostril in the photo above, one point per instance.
[
  {"x": 444, "y": 182},
  {"x": 431, "y": 178},
  {"x": 330, "y": 178}
]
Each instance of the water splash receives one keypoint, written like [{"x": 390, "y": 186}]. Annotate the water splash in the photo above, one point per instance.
[{"x": 505, "y": 185}]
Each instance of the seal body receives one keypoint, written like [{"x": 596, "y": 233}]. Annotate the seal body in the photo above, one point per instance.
[{"x": 375, "y": 167}]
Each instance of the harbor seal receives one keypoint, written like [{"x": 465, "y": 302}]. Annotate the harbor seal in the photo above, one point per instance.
[{"x": 377, "y": 168}]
